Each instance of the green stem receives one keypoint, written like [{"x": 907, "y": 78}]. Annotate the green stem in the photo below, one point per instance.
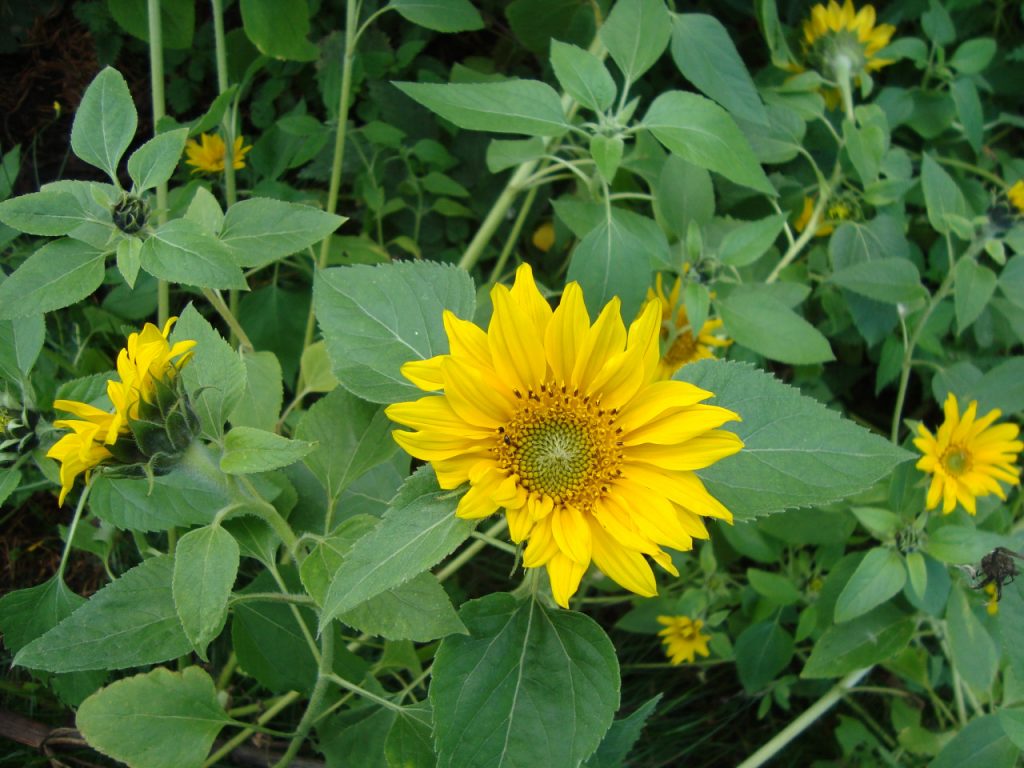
[
  {"x": 326, "y": 674},
  {"x": 467, "y": 554},
  {"x": 842, "y": 70},
  {"x": 271, "y": 516},
  {"x": 229, "y": 317},
  {"x": 513, "y": 236},
  {"x": 244, "y": 734},
  {"x": 156, "y": 71},
  {"x": 272, "y": 597},
  {"x": 343, "y": 683},
  {"x": 782, "y": 739},
  {"x": 71, "y": 531},
  {"x": 795, "y": 248}
]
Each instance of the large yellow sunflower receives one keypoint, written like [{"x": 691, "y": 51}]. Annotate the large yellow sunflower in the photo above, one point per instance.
[
  {"x": 209, "y": 153},
  {"x": 683, "y": 638},
  {"x": 679, "y": 345},
  {"x": 566, "y": 425},
  {"x": 843, "y": 30},
  {"x": 968, "y": 457}
]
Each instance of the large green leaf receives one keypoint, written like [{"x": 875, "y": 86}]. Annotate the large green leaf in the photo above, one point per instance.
[
  {"x": 942, "y": 196},
  {"x": 26, "y": 614},
  {"x": 418, "y": 610},
  {"x": 621, "y": 737},
  {"x": 973, "y": 651},
  {"x": 762, "y": 651},
  {"x": 153, "y": 163},
  {"x": 160, "y": 719},
  {"x": 375, "y": 319},
  {"x": 796, "y": 451},
  {"x": 248, "y": 450},
  {"x": 873, "y": 638},
  {"x": 279, "y": 28},
  {"x": 635, "y": 34},
  {"x": 880, "y": 575},
  {"x": 892, "y": 281},
  {"x": 410, "y": 742},
  {"x": 182, "y": 252},
  {"x": 982, "y": 742},
  {"x": 105, "y": 122},
  {"x": 261, "y": 230},
  {"x": 528, "y": 686},
  {"x": 418, "y": 530},
  {"x": 177, "y": 20},
  {"x": 973, "y": 287},
  {"x": 701, "y": 132},
  {"x": 755, "y": 318},
  {"x": 261, "y": 401},
  {"x": 52, "y": 212},
  {"x": 21, "y": 341},
  {"x": 57, "y": 275},
  {"x": 183, "y": 497},
  {"x": 440, "y": 15},
  {"x": 528, "y": 107},
  {"x": 128, "y": 623},
  {"x": 582, "y": 75},
  {"x": 205, "y": 566}
]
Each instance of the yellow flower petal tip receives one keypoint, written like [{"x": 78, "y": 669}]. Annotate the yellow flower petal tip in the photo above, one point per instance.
[
  {"x": 968, "y": 457},
  {"x": 683, "y": 639},
  {"x": 567, "y": 426},
  {"x": 1016, "y": 195},
  {"x": 209, "y": 153}
]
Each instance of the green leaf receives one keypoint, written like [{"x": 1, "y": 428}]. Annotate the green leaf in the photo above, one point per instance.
[
  {"x": 128, "y": 623},
  {"x": 105, "y": 122},
  {"x": 260, "y": 231},
  {"x": 410, "y": 742},
  {"x": 418, "y": 530},
  {"x": 215, "y": 378},
  {"x": 974, "y": 652},
  {"x": 177, "y": 20},
  {"x": 973, "y": 56},
  {"x": 529, "y": 107},
  {"x": 154, "y": 162},
  {"x": 323, "y": 561},
  {"x": 248, "y": 450},
  {"x": 942, "y": 196},
  {"x": 621, "y": 737},
  {"x": 973, "y": 287},
  {"x": 10, "y": 479},
  {"x": 21, "y": 341},
  {"x": 350, "y": 435},
  {"x": 43, "y": 213},
  {"x": 582, "y": 75},
  {"x": 873, "y": 638},
  {"x": 375, "y": 319},
  {"x": 879, "y": 576},
  {"x": 507, "y": 153},
  {"x": 867, "y": 143},
  {"x": 1012, "y": 721},
  {"x": 1011, "y": 280},
  {"x": 635, "y": 34},
  {"x": 419, "y": 610},
  {"x": 528, "y": 686},
  {"x": 59, "y": 274},
  {"x": 26, "y": 614},
  {"x": 182, "y": 252},
  {"x": 261, "y": 400},
  {"x": 969, "y": 110},
  {"x": 796, "y": 451},
  {"x": 129, "y": 259},
  {"x": 684, "y": 194},
  {"x": 755, "y": 318},
  {"x": 958, "y": 544},
  {"x": 707, "y": 57},
  {"x": 749, "y": 241},
  {"x": 762, "y": 651},
  {"x": 773, "y": 586},
  {"x": 607, "y": 154},
  {"x": 315, "y": 369},
  {"x": 440, "y": 15},
  {"x": 205, "y": 566},
  {"x": 982, "y": 742},
  {"x": 701, "y": 132},
  {"x": 891, "y": 281},
  {"x": 160, "y": 719},
  {"x": 279, "y": 29}
]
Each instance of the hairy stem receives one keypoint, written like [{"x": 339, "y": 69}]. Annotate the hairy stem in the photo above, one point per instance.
[
  {"x": 326, "y": 674},
  {"x": 156, "y": 72}
]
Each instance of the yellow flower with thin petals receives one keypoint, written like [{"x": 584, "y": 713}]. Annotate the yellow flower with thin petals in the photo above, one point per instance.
[
  {"x": 1016, "y": 195},
  {"x": 679, "y": 346},
  {"x": 682, "y": 638},
  {"x": 565, "y": 424},
  {"x": 83, "y": 448},
  {"x": 968, "y": 457},
  {"x": 207, "y": 154},
  {"x": 992, "y": 606}
]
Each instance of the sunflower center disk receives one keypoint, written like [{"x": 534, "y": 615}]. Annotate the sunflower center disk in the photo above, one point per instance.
[
  {"x": 561, "y": 444},
  {"x": 956, "y": 460},
  {"x": 683, "y": 349}
]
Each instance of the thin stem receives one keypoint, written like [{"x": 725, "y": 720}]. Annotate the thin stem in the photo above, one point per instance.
[
  {"x": 71, "y": 531},
  {"x": 782, "y": 739},
  {"x": 229, "y": 317},
  {"x": 467, "y": 554},
  {"x": 513, "y": 236},
  {"x": 225, "y": 674},
  {"x": 272, "y": 597},
  {"x": 156, "y": 73},
  {"x": 824, "y": 192},
  {"x": 955, "y": 163},
  {"x": 343, "y": 683},
  {"x": 245, "y": 733},
  {"x": 326, "y": 669}
]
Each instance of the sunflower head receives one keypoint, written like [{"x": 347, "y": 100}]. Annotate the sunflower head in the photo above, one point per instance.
[
  {"x": 208, "y": 154},
  {"x": 968, "y": 457},
  {"x": 840, "y": 39},
  {"x": 566, "y": 426},
  {"x": 679, "y": 344},
  {"x": 836, "y": 212},
  {"x": 682, "y": 638},
  {"x": 1016, "y": 196},
  {"x": 130, "y": 213}
]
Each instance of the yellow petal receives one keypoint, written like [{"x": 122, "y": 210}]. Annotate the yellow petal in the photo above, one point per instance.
[
  {"x": 532, "y": 304},
  {"x": 624, "y": 566},
  {"x": 606, "y": 338},
  {"x": 565, "y": 333},
  {"x": 515, "y": 347},
  {"x": 572, "y": 533},
  {"x": 425, "y": 374},
  {"x": 565, "y": 575}
]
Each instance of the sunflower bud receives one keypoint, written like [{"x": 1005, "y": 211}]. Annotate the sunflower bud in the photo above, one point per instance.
[
  {"x": 161, "y": 432},
  {"x": 17, "y": 428},
  {"x": 130, "y": 214}
]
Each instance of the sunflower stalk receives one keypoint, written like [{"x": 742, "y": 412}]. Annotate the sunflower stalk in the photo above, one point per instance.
[{"x": 156, "y": 69}]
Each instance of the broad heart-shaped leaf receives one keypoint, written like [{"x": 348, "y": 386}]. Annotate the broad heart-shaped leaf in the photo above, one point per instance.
[
  {"x": 621, "y": 737},
  {"x": 762, "y": 651},
  {"x": 105, "y": 122},
  {"x": 880, "y": 575},
  {"x": 872, "y": 638},
  {"x": 973, "y": 287},
  {"x": 701, "y": 132},
  {"x": 248, "y": 450},
  {"x": 52, "y": 212},
  {"x": 153, "y": 163},
  {"x": 755, "y": 318},
  {"x": 418, "y": 530},
  {"x": 419, "y": 610},
  {"x": 57, "y": 275},
  {"x": 528, "y": 686},
  {"x": 182, "y": 252},
  {"x": 278, "y": 29},
  {"x": 707, "y": 57},
  {"x": 582, "y": 75},
  {"x": 942, "y": 196},
  {"x": 796, "y": 451},
  {"x": 891, "y": 281},
  {"x": 375, "y": 319},
  {"x": 260, "y": 230},
  {"x": 528, "y": 107},
  {"x": 440, "y": 15},
  {"x": 160, "y": 719},
  {"x": 205, "y": 566},
  {"x": 351, "y": 435},
  {"x": 128, "y": 623},
  {"x": 635, "y": 34},
  {"x": 982, "y": 742}
]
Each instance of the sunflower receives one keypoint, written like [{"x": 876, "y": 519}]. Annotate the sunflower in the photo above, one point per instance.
[
  {"x": 836, "y": 213},
  {"x": 834, "y": 30},
  {"x": 566, "y": 425},
  {"x": 1016, "y": 195},
  {"x": 992, "y": 605},
  {"x": 968, "y": 457},
  {"x": 682, "y": 638},
  {"x": 146, "y": 361},
  {"x": 678, "y": 344},
  {"x": 207, "y": 154}
]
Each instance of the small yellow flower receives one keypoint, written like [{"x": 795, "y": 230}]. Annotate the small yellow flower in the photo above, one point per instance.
[
  {"x": 1016, "y": 195},
  {"x": 992, "y": 606},
  {"x": 824, "y": 227},
  {"x": 968, "y": 457},
  {"x": 207, "y": 154},
  {"x": 682, "y": 638},
  {"x": 836, "y": 212},
  {"x": 544, "y": 237},
  {"x": 845, "y": 31},
  {"x": 565, "y": 424},
  {"x": 678, "y": 344},
  {"x": 83, "y": 448}
]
